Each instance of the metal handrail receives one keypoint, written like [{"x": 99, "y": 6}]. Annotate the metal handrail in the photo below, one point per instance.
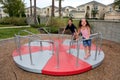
[
  {"x": 41, "y": 47},
  {"x": 98, "y": 37},
  {"x": 45, "y": 30},
  {"x": 19, "y": 33},
  {"x": 31, "y": 39},
  {"x": 17, "y": 42}
]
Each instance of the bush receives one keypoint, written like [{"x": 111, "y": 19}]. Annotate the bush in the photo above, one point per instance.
[
  {"x": 59, "y": 22},
  {"x": 13, "y": 21},
  {"x": 37, "y": 25},
  {"x": 54, "y": 29}
]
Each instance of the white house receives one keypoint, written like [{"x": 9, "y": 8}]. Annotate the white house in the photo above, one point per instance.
[
  {"x": 2, "y": 14},
  {"x": 65, "y": 11},
  {"x": 46, "y": 11},
  {"x": 112, "y": 13},
  {"x": 89, "y": 7},
  {"x": 27, "y": 11}
]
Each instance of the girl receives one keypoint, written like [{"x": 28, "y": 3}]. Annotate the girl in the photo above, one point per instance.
[{"x": 84, "y": 30}]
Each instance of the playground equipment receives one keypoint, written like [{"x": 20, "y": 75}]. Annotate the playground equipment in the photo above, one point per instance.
[
  {"x": 56, "y": 56},
  {"x": 98, "y": 40}
]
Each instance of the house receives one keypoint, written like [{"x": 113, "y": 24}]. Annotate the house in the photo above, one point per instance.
[
  {"x": 92, "y": 9},
  {"x": 2, "y": 14},
  {"x": 112, "y": 13},
  {"x": 46, "y": 11},
  {"x": 77, "y": 14},
  {"x": 27, "y": 11},
  {"x": 65, "y": 11}
]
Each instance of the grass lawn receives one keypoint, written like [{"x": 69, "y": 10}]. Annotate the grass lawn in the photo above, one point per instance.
[{"x": 9, "y": 32}]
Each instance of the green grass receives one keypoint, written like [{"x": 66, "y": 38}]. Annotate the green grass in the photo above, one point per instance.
[{"x": 9, "y": 32}]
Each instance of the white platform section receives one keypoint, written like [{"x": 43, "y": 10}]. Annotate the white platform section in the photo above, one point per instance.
[
  {"x": 91, "y": 60},
  {"x": 40, "y": 59}
]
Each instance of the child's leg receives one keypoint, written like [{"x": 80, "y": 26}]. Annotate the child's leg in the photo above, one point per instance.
[
  {"x": 89, "y": 45},
  {"x": 85, "y": 49},
  {"x": 87, "y": 53},
  {"x": 88, "y": 48}
]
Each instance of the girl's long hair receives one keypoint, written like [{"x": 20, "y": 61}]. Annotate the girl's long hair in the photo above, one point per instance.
[{"x": 80, "y": 25}]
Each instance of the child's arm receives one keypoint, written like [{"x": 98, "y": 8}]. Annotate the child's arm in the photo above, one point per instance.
[
  {"x": 63, "y": 31},
  {"x": 78, "y": 31},
  {"x": 88, "y": 33}
]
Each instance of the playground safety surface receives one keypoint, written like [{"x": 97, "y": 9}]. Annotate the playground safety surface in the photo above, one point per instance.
[{"x": 109, "y": 70}]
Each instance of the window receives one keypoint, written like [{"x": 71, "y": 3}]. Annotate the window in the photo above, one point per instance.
[
  {"x": 110, "y": 9},
  {"x": 96, "y": 7},
  {"x": 67, "y": 10},
  {"x": 83, "y": 9},
  {"x": 45, "y": 12}
]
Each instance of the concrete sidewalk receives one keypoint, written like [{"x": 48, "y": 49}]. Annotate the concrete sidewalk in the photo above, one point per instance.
[{"x": 14, "y": 27}]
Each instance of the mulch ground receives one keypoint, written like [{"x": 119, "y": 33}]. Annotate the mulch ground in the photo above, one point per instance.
[{"x": 108, "y": 70}]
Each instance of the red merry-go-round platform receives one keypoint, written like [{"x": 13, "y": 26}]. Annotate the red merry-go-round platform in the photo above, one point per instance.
[{"x": 56, "y": 59}]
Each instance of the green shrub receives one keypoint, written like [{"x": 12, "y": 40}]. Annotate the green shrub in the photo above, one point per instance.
[
  {"x": 37, "y": 25},
  {"x": 62, "y": 22},
  {"x": 54, "y": 29},
  {"x": 13, "y": 21},
  {"x": 59, "y": 22}
]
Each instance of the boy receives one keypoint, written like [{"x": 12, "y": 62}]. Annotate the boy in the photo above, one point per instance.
[{"x": 72, "y": 28}]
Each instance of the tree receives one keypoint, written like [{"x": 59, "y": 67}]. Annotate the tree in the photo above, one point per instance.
[
  {"x": 52, "y": 13},
  {"x": 14, "y": 8},
  {"x": 116, "y": 3},
  {"x": 30, "y": 7},
  {"x": 60, "y": 7},
  {"x": 94, "y": 12},
  {"x": 35, "y": 16}
]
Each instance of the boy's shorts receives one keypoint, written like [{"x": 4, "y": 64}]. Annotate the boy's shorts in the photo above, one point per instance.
[{"x": 87, "y": 42}]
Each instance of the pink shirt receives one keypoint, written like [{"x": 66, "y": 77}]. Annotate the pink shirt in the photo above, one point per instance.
[{"x": 85, "y": 33}]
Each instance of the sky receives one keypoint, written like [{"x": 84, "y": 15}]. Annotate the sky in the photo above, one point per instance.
[{"x": 74, "y": 3}]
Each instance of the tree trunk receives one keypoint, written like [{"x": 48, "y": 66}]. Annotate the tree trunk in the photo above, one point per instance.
[
  {"x": 60, "y": 8},
  {"x": 30, "y": 7},
  {"x": 52, "y": 12},
  {"x": 35, "y": 21}
]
